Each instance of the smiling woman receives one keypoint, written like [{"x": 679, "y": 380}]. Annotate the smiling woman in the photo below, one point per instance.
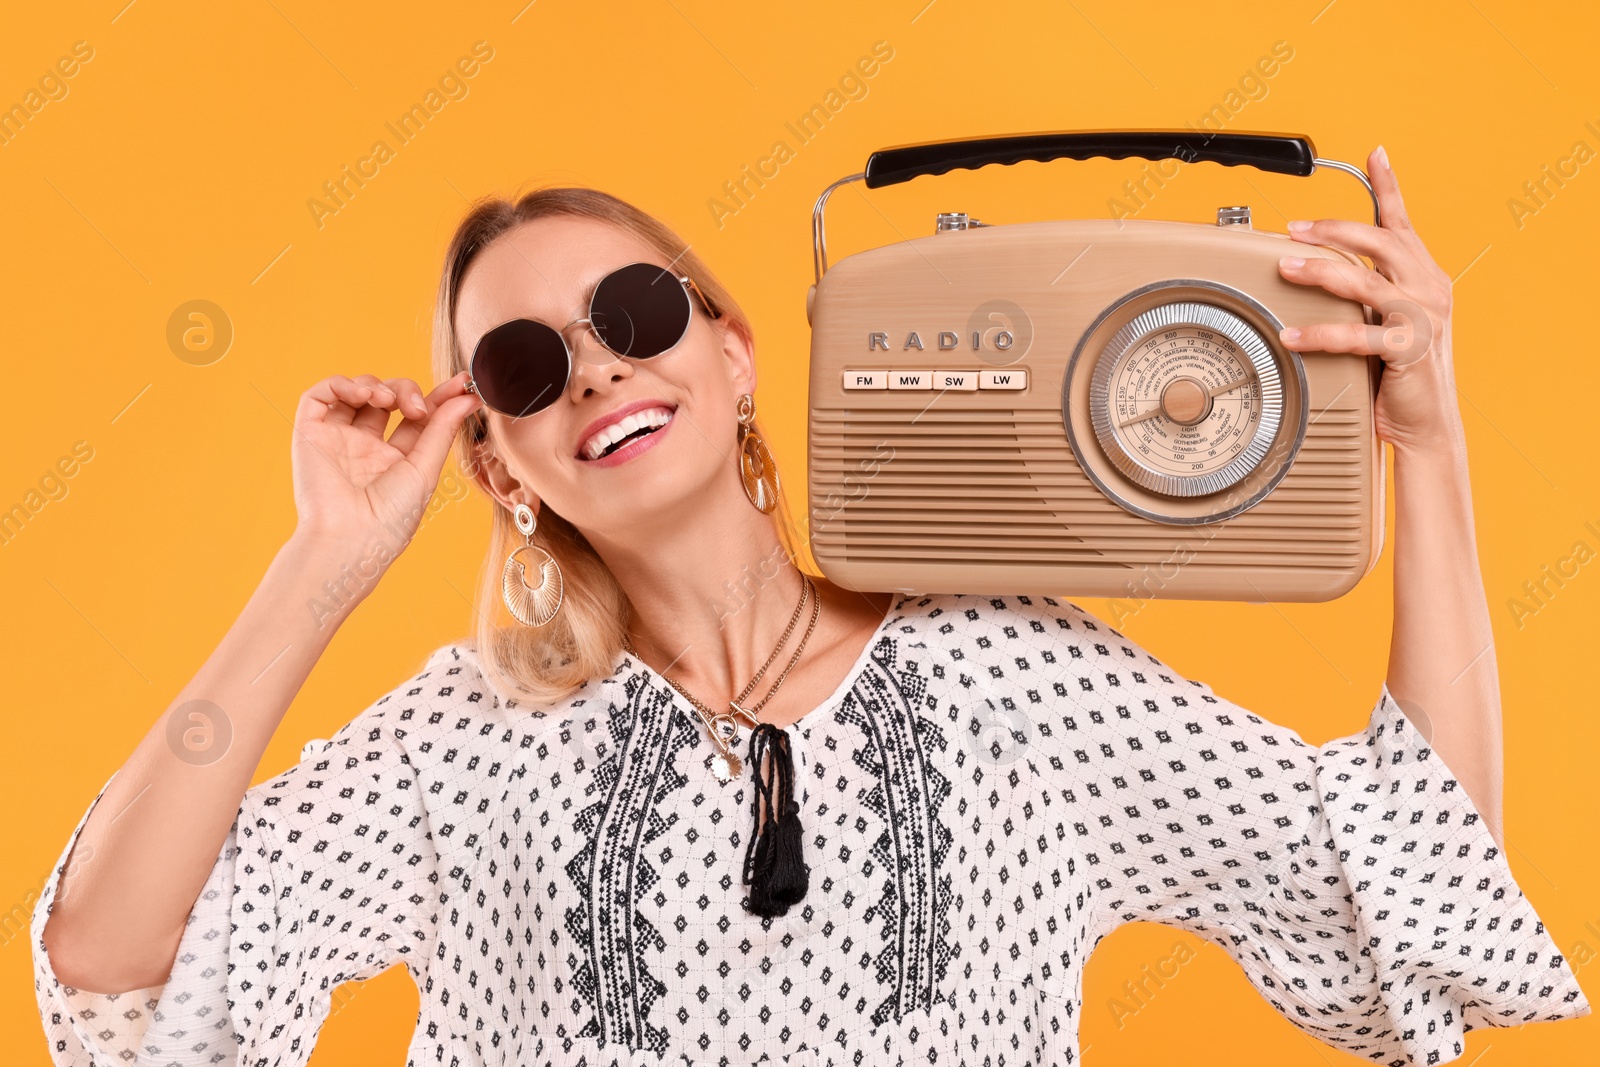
[
  {"x": 495, "y": 276},
  {"x": 557, "y": 826}
]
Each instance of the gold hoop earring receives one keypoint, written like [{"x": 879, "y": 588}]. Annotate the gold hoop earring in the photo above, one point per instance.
[
  {"x": 756, "y": 468},
  {"x": 535, "y": 605}
]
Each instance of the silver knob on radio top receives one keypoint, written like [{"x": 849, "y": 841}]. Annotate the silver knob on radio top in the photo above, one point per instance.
[
  {"x": 1238, "y": 215},
  {"x": 954, "y": 220}
]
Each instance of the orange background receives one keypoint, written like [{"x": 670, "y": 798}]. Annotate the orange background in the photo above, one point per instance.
[{"x": 179, "y": 163}]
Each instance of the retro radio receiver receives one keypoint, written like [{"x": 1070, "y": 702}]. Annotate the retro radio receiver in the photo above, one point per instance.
[{"x": 1092, "y": 407}]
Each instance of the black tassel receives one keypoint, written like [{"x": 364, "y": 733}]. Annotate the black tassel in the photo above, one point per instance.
[{"x": 774, "y": 860}]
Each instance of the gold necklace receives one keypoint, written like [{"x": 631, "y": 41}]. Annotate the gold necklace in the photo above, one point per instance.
[
  {"x": 724, "y": 726},
  {"x": 806, "y": 589}
]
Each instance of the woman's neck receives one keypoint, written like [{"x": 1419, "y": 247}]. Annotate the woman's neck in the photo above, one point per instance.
[{"x": 712, "y": 590}]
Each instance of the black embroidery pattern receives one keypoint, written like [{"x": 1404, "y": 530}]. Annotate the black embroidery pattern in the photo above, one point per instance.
[
  {"x": 884, "y": 703},
  {"x": 612, "y": 872}
]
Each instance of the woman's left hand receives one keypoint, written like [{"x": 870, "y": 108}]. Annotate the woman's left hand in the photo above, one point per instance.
[{"x": 1416, "y": 406}]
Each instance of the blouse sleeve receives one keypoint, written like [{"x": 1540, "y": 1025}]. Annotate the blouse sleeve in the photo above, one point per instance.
[
  {"x": 1355, "y": 881},
  {"x": 328, "y": 875},
  {"x": 86, "y": 1029}
]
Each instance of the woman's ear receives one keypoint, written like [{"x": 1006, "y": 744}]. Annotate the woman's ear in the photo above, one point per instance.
[
  {"x": 738, "y": 348},
  {"x": 491, "y": 475}
]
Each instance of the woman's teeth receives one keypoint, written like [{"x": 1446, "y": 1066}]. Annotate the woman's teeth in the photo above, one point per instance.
[{"x": 648, "y": 419}]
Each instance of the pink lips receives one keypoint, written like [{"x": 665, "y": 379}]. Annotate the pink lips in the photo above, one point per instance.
[
  {"x": 634, "y": 448},
  {"x": 617, "y": 416}
]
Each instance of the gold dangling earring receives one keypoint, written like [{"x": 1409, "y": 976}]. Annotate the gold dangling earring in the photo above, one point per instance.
[
  {"x": 536, "y": 605},
  {"x": 759, "y": 472}
]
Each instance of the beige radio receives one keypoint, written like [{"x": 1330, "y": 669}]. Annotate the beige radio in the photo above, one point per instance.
[{"x": 1090, "y": 407}]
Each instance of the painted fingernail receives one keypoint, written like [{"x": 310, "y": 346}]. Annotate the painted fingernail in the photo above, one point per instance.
[
  {"x": 1290, "y": 335},
  {"x": 1292, "y": 262},
  {"x": 1299, "y": 226}
]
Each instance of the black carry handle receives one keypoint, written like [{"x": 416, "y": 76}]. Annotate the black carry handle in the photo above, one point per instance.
[{"x": 1280, "y": 153}]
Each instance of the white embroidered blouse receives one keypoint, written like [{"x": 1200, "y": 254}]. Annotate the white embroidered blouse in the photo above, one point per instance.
[{"x": 998, "y": 784}]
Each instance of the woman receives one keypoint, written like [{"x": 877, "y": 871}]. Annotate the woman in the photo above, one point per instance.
[{"x": 725, "y": 812}]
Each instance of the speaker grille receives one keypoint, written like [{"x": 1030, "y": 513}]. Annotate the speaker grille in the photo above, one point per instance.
[{"x": 1002, "y": 486}]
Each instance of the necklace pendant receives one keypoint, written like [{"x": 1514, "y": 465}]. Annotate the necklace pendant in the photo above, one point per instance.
[
  {"x": 725, "y": 730},
  {"x": 725, "y": 765}
]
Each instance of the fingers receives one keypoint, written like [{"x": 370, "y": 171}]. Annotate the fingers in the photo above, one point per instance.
[
  {"x": 1393, "y": 258},
  {"x": 412, "y": 404},
  {"x": 406, "y": 434},
  {"x": 1407, "y": 330},
  {"x": 1341, "y": 279},
  {"x": 1404, "y": 337},
  {"x": 448, "y": 388},
  {"x": 1362, "y": 238},
  {"x": 335, "y": 399},
  {"x": 1394, "y": 247},
  {"x": 428, "y": 454},
  {"x": 381, "y": 399},
  {"x": 431, "y": 422},
  {"x": 1395, "y": 215},
  {"x": 364, "y": 402},
  {"x": 1354, "y": 337},
  {"x": 1390, "y": 205},
  {"x": 392, "y": 394},
  {"x": 1407, "y": 288}
]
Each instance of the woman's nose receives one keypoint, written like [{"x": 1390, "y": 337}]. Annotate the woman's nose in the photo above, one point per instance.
[
  {"x": 585, "y": 344},
  {"x": 592, "y": 361}
]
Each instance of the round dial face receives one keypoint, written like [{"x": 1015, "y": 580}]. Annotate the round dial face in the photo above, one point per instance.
[{"x": 1186, "y": 399}]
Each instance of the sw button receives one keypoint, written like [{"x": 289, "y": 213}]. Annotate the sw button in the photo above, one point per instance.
[{"x": 964, "y": 381}]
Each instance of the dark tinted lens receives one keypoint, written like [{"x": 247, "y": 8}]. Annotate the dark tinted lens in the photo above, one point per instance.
[
  {"x": 520, "y": 367},
  {"x": 640, "y": 310}
]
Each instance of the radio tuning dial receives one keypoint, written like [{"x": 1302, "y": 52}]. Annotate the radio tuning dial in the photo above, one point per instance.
[{"x": 1186, "y": 399}]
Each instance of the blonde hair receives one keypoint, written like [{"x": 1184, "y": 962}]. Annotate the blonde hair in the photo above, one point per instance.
[{"x": 542, "y": 664}]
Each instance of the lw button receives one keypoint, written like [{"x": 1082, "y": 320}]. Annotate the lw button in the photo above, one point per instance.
[{"x": 1003, "y": 379}]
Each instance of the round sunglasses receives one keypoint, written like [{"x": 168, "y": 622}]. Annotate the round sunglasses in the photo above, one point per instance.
[{"x": 640, "y": 310}]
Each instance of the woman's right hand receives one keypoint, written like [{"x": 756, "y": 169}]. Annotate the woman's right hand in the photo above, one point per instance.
[{"x": 352, "y": 487}]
